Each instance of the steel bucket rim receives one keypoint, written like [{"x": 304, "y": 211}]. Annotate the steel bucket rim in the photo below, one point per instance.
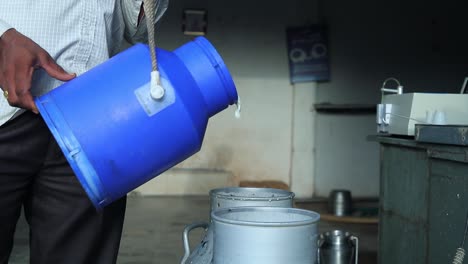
[
  {"x": 216, "y": 216},
  {"x": 218, "y": 193}
]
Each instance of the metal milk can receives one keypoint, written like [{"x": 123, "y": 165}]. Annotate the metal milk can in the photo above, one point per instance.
[
  {"x": 338, "y": 247},
  {"x": 264, "y": 235},
  {"x": 228, "y": 198}
]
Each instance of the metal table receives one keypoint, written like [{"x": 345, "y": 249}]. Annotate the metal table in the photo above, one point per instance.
[{"x": 423, "y": 200}]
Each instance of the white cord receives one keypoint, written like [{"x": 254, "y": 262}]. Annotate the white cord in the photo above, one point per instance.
[
  {"x": 459, "y": 256},
  {"x": 407, "y": 117},
  {"x": 462, "y": 91}
]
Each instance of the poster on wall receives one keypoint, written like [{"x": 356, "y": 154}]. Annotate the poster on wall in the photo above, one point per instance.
[{"x": 308, "y": 53}]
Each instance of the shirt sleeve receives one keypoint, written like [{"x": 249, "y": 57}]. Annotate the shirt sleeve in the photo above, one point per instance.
[
  {"x": 4, "y": 27},
  {"x": 135, "y": 32}
]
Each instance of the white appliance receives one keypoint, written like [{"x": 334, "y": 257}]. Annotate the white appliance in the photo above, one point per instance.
[{"x": 398, "y": 113}]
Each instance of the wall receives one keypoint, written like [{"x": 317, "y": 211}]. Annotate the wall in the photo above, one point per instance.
[
  {"x": 422, "y": 43},
  {"x": 280, "y": 136},
  {"x": 250, "y": 35},
  {"x": 419, "y": 42}
]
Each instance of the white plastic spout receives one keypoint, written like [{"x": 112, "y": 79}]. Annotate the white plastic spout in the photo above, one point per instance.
[{"x": 156, "y": 90}]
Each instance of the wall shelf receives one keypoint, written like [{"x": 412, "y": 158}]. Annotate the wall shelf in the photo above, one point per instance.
[{"x": 328, "y": 108}]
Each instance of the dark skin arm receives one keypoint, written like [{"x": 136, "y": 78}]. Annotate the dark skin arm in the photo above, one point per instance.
[
  {"x": 140, "y": 16},
  {"x": 19, "y": 57}
]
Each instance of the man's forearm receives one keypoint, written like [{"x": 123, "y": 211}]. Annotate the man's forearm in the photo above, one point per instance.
[
  {"x": 134, "y": 18},
  {"x": 141, "y": 15}
]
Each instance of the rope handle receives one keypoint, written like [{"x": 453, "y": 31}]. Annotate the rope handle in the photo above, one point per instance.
[{"x": 156, "y": 90}]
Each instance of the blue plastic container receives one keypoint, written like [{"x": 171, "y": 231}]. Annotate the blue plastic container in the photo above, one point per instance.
[{"x": 116, "y": 136}]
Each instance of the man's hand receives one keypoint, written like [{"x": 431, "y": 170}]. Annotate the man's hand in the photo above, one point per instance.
[{"x": 19, "y": 57}]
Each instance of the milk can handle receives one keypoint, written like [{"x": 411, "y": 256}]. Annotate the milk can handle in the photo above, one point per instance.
[
  {"x": 320, "y": 242},
  {"x": 187, "y": 230},
  {"x": 356, "y": 244}
]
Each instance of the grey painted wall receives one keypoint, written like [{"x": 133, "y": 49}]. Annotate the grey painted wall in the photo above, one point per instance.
[
  {"x": 251, "y": 37},
  {"x": 422, "y": 43},
  {"x": 279, "y": 137}
]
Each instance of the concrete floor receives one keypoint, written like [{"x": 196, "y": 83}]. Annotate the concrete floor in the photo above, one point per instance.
[{"x": 153, "y": 230}]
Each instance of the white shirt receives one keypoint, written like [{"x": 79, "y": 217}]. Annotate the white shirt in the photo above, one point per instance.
[{"x": 78, "y": 34}]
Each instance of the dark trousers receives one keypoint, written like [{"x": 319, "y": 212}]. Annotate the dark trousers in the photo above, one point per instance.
[{"x": 64, "y": 225}]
